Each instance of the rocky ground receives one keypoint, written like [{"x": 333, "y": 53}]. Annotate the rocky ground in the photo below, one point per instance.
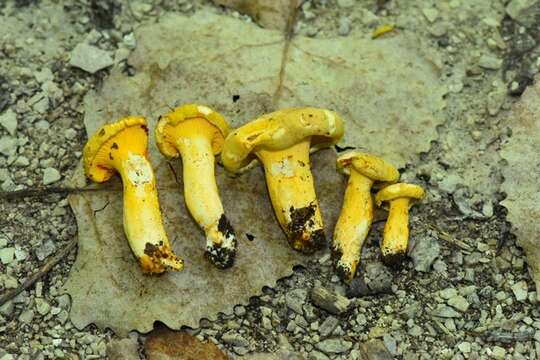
[{"x": 465, "y": 293}]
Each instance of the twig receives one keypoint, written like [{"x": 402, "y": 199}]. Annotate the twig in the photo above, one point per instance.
[
  {"x": 450, "y": 239},
  {"x": 40, "y": 273}
]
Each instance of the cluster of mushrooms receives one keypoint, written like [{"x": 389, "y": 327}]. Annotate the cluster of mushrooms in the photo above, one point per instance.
[{"x": 282, "y": 141}]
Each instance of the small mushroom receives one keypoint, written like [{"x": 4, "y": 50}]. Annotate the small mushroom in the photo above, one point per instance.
[
  {"x": 356, "y": 214},
  {"x": 196, "y": 133},
  {"x": 396, "y": 230},
  {"x": 121, "y": 147},
  {"x": 282, "y": 141}
]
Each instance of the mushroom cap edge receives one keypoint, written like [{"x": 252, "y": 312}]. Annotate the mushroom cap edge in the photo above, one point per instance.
[
  {"x": 399, "y": 190},
  {"x": 279, "y": 130},
  {"x": 371, "y": 166},
  {"x": 186, "y": 112}
]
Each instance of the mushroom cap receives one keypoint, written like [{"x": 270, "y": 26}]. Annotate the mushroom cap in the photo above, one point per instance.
[
  {"x": 280, "y": 130},
  {"x": 95, "y": 155},
  {"x": 399, "y": 190},
  {"x": 371, "y": 166},
  {"x": 187, "y": 112}
]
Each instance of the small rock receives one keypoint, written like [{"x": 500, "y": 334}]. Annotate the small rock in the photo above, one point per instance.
[
  {"x": 327, "y": 326},
  {"x": 375, "y": 350},
  {"x": 464, "y": 347},
  {"x": 334, "y": 346},
  {"x": 431, "y": 14},
  {"x": 424, "y": 250},
  {"x": 333, "y": 303},
  {"x": 64, "y": 301},
  {"x": 90, "y": 58},
  {"x": 45, "y": 249},
  {"x": 42, "y": 307},
  {"x": 520, "y": 290},
  {"x": 239, "y": 310},
  {"x": 50, "y": 176},
  {"x": 26, "y": 316},
  {"x": 9, "y": 121},
  {"x": 391, "y": 344},
  {"x": 357, "y": 288},
  {"x": 489, "y": 62},
  {"x": 378, "y": 278},
  {"x": 7, "y": 255},
  {"x": 232, "y": 338},
  {"x": 445, "y": 311},
  {"x": 448, "y": 293},
  {"x": 295, "y": 299},
  {"x": 7, "y": 308},
  {"x": 519, "y": 10},
  {"x": 498, "y": 353},
  {"x": 344, "y": 26},
  {"x": 459, "y": 303},
  {"x": 8, "y": 145}
]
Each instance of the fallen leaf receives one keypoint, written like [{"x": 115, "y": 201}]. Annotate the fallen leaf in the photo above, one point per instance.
[
  {"x": 388, "y": 95},
  {"x": 522, "y": 177},
  {"x": 164, "y": 344}
]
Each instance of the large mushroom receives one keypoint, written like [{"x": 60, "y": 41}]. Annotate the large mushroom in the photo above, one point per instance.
[
  {"x": 282, "y": 141},
  {"x": 396, "y": 230},
  {"x": 196, "y": 133},
  {"x": 356, "y": 214},
  {"x": 121, "y": 147}
]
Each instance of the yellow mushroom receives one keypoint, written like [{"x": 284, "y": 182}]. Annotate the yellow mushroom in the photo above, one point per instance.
[
  {"x": 357, "y": 211},
  {"x": 122, "y": 147},
  {"x": 282, "y": 141},
  {"x": 196, "y": 133},
  {"x": 396, "y": 230}
]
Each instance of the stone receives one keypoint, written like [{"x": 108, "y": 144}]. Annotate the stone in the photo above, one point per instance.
[
  {"x": 7, "y": 308},
  {"x": 445, "y": 312},
  {"x": 50, "y": 176},
  {"x": 26, "y": 316},
  {"x": 42, "y": 307},
  {"x": 333, "y": 303},
  {"x": 519, "y": 11},
  {"x": 430, "y": 13},
  {"x": 235, "y": 339},
  {"x": 448, "y": 293},
  {"x": 334, "y": 346},
  {"x": 315, "y": 355},
  {"x": 63, "y": 301},
  {"x": 9, "y": 121},
  {"x": 345, "y": 3},
  {"x": 459, "y": 303},
  {"x": 423, "y": 251},
  {"x": 44, "y": 250},
  {"x": 520, "y": 290},
  {"x": 489, "y": 62},
  {"x": 344, "y": 26},
  {"x": 240, "y": 310},
  {"x": 7, "y": 255},
  {"x": 378, "y": 278},
  {"x": 295, "y": 300},
  {"x": 327, "y": 326},
  {"x": 8, "y": 145},
  {"x": 375, "y": 350},
  {"x": 90, "y": 58},
  {"x": 464, "y": 347},
  {"x": 391, "y": 344}
]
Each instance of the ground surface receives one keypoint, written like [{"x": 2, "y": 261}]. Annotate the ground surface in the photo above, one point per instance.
[{"x": 466, "y": 293}]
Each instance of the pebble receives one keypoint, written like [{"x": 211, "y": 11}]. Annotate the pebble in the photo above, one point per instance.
[
  {"x": 334, "y": 346},
  {"x": 26, "y": 316},
  {"x": 378, "y": 278},
  {"x": 42, "y": 307},
  {"x": 520, "y": 290},
  {"x": 44, "y": 250},
  {"x": 445, "y": 312},
  {"x": 345, "y": 3},
  {"x": 8, "y": 145},
  {"x": 459, "y": 303},
  {"x": 315, "y": 355},
  {"x": 295, "y": 299},
  {"x": 232, "y": 338},
  {"x": 489, "y": 62},
  {"x": 498, "y": 353},
  {"x": 517, "y": 10},
  {"x": 333, "y": 303},
  {"x": 448, "y": 293},
  {"x": 50, "y": 176},
  {"x": 90, "y": 58},
  {"x": 344, "y": 26},
  {"x": 239, "y": 310},
  {"x": 328, "y": 326},
  {"x": 431, "y": 14},
  {"x": 9, "y": 121},
  {"x": 7, "y": 308},
  {"x": 7, "y": 255},
  {"x": 464, "y": 347},
  {"x": 424, "y": 251}
]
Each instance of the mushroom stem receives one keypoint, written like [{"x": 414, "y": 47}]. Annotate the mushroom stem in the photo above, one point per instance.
[
  {"x": 142, "y": 216},
  {"x": 396, "y": 230},
  {"x": 292, "y": 192},
  {"x": 353, "y": 224},
  {"x": 202, "y": 195}
]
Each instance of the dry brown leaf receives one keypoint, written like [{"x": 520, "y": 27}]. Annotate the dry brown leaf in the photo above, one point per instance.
[
  {"x": 522, "y": 177},
  {"x": 164, "y": 344},
  {"x": 241, "y": 71}
]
